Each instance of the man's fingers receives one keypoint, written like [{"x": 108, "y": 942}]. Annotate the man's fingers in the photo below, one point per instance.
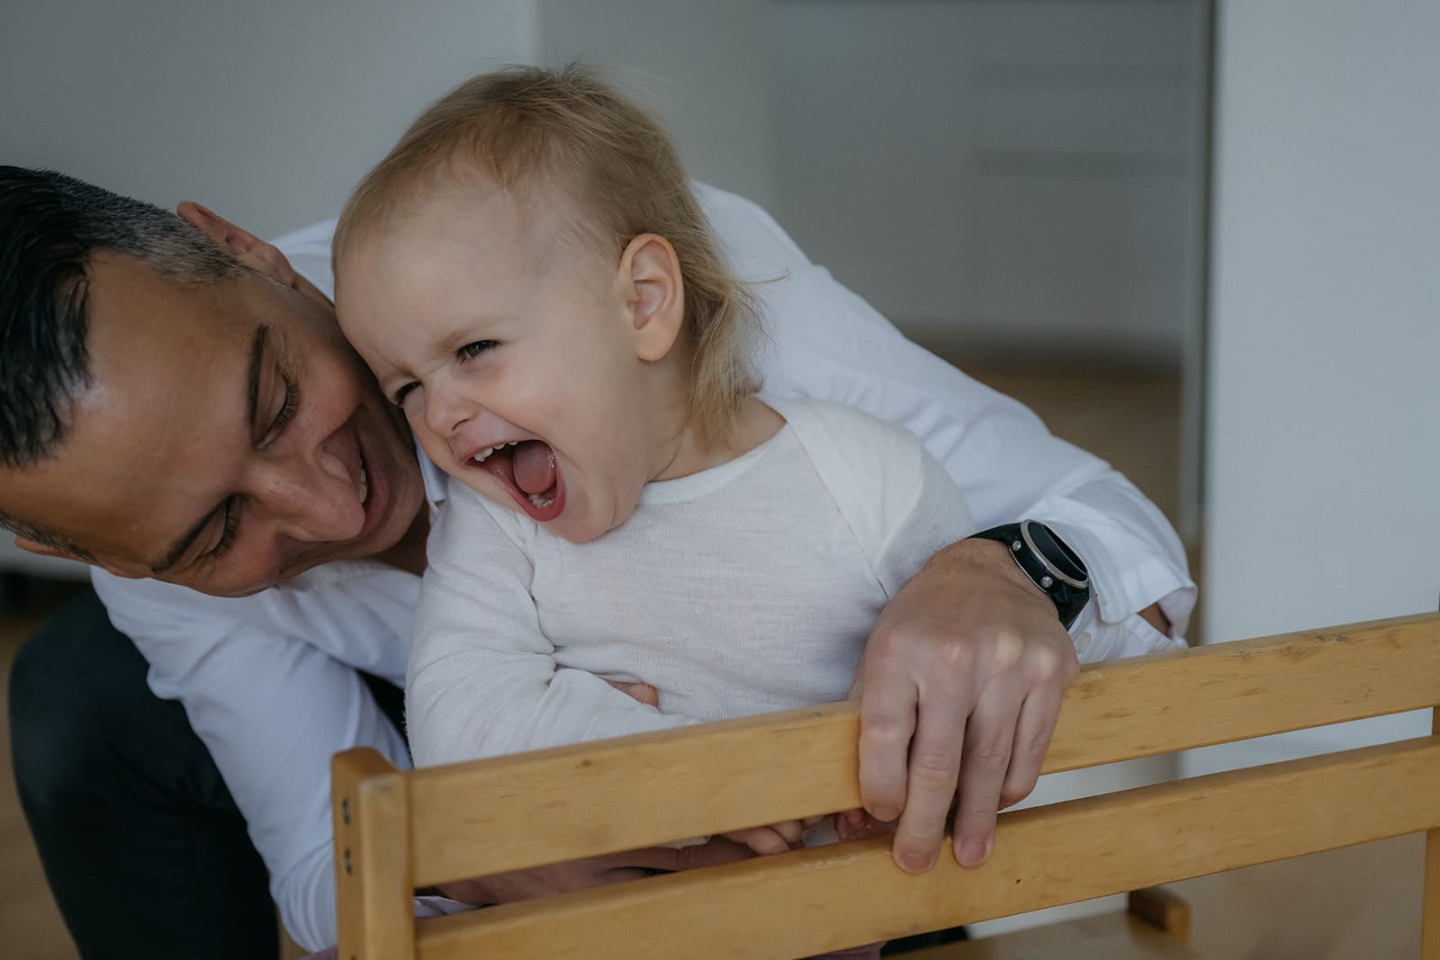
[
  {"x": 1032, "y": 740},
  {"x": 887, "y": 721},
  {"x": 934, "y": 771},
  {"x": 988, "y": 741}
]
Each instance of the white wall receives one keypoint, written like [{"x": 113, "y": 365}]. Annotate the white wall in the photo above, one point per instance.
[
  {"x": 268, "y": 111},
  {"x": 698, "y": 64},
  {"x": 1000, "y": 175},
  {"x": 1323, "y": 437}
]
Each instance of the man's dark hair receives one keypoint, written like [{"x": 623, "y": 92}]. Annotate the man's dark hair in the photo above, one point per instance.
[{"x": 50, "y": 226}]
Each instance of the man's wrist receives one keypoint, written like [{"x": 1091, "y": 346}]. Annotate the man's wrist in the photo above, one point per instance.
[
  {"x": 1048, "y": 562},
  {"x": 995, "y": 558}
]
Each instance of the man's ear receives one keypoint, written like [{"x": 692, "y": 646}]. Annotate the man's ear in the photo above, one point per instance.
[
  {"x": 249, "y": 249},
  {"x": 655, "y": 294}
]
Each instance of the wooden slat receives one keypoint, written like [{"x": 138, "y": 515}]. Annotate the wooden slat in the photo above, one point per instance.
[
  {"x": 373, "y": 885},
  {"x": 788, "y": 905},
  {"x": 600, "y": 798}
]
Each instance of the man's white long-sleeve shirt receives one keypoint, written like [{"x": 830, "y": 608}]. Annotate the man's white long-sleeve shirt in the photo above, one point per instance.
[{"x": 269, "y": 681}]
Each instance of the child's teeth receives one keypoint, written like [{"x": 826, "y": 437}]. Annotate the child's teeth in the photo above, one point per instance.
[
  {"x": 540, "y": 501},
  {"x": 364, "y": 485},
  {"x": 483, "y": 454}
]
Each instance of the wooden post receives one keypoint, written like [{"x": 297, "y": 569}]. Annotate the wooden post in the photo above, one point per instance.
[
  {"x": 374, "y": 889},
  {"x": 1430, "y": 910}
]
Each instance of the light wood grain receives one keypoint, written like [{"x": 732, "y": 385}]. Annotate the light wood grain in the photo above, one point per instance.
[
  {"x": 1043, "y": 856},
  {"x": 373, "y": 882},
  {"x": 636, "y": 791}
]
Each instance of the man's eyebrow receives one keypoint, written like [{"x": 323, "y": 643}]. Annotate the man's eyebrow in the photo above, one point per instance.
[
  {"x": 252, "y": 400},
  {"x": 181, "y": 546},
  {"x": 257, "y": 354}
]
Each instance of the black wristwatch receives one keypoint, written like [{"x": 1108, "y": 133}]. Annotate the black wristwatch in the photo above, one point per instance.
[{"x": 1049, "y": 562}]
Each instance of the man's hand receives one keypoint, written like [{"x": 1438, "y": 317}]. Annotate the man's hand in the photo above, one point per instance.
[
  {"x": 960, "y": 687},
  {"x": 593, "y": 872}
]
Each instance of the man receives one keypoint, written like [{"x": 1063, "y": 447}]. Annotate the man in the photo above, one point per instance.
[{"x": 178, "y": 409}]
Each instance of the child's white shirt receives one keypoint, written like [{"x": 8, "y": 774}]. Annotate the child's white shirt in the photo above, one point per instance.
[{"x": 745, "y": 588}]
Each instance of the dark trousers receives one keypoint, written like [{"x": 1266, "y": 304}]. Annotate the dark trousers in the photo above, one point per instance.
[{"x": 143, "y": 846}]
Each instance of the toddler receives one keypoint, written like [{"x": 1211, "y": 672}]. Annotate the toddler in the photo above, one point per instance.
[{"x": 530, "y": 277}]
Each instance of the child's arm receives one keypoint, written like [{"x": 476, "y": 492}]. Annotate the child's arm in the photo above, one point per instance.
[{"x": 483, "y": 679}]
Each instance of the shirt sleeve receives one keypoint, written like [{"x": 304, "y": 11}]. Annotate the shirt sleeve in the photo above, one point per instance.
[
  {"x": 483, "y": 679},
  {"x": 247, "y": 692},
  {"x": 824, "y": 342}
]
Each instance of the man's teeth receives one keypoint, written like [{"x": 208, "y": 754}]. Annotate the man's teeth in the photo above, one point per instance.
[
  {"x": 364, "y": 485},
  {"x": 484, "y": 455}
]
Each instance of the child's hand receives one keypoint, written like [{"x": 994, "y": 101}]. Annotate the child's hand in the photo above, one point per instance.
[
  {"x": 776, "y": 838},
  {"x": 859, "y": 825},
  {"x": 643, "y": 692}
]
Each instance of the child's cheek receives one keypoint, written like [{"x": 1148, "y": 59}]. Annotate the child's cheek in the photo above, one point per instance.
[{"x": 435, "y": 448}]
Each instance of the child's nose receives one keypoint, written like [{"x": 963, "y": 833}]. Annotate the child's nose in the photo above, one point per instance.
[{"x": 445, "y": 413}]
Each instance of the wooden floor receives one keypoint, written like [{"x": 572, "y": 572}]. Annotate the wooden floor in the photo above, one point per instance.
[
  {"x": 30, "y": 926},
  {"x": 1360, "y": 903}
]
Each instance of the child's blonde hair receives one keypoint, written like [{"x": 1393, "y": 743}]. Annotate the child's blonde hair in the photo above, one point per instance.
[{"x": 528, "y": 129}]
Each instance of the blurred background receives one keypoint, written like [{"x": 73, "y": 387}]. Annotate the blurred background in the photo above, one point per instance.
[{"x": 1197, "y": 236}]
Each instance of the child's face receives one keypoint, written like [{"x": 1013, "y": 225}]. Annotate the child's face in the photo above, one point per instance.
[{"x": 517, "y": 361}]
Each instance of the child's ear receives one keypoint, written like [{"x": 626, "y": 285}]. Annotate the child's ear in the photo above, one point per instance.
[{"x": 655, "y": 294}]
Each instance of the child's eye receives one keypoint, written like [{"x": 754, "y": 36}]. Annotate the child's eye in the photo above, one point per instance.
[{"x": 472, "y": 350}]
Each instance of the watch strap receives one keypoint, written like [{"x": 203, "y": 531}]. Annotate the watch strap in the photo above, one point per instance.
[{"x": 1048, "y": 562}]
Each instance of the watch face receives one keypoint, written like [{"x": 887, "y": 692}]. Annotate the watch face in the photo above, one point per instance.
[{"x": 1057, "y": 551}]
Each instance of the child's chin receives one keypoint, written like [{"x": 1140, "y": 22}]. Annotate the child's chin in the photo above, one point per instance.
[
  {"x": 575, "y": 533},
  {"x": 571, "y": 526}
]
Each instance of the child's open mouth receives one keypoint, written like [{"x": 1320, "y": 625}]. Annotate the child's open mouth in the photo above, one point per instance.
[{"x": 528, "y": 470}]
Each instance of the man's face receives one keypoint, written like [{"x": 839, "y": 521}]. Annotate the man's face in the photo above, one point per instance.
[{"x": 228, "y": 441}]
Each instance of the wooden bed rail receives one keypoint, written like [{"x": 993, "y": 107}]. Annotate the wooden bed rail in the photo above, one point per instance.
[{"x": 399, "y": 830}]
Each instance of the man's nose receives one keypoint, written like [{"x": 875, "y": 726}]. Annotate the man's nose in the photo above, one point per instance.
[{"x": 312, "y": 501}]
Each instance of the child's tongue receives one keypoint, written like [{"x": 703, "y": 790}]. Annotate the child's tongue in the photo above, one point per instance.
[{"x": 534, "y": 466}]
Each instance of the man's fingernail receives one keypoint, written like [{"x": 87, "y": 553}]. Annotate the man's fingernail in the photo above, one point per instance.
[
  {"x": 974, "y": 852},
  {"x": 885, "y": 813},
  {"x": 914, "y": 862}
]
